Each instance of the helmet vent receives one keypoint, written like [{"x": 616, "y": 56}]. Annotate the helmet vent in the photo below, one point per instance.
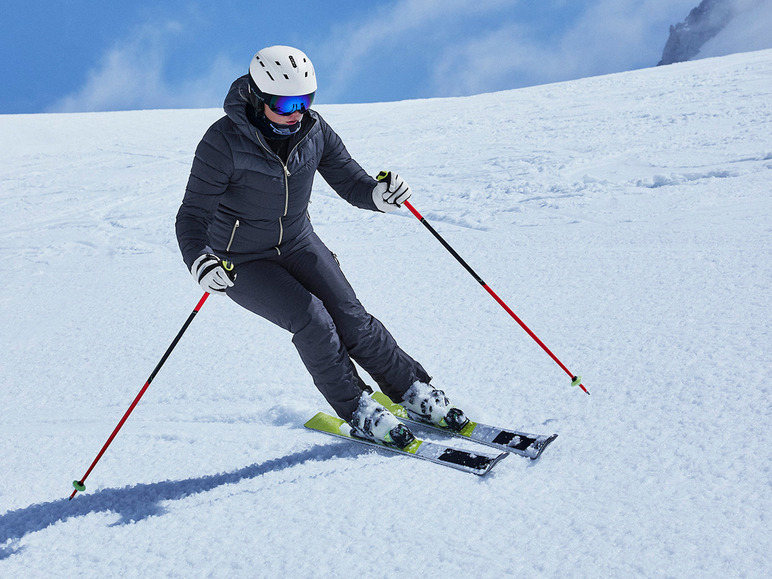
[
  {"x": 269, "y": 75},
  {"x": 285, "y": 76},
  {"x": 292, "y": 61}
]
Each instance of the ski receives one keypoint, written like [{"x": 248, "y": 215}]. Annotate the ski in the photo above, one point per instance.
[
  {"x": 473, "y": 462},
  {"x": 507, "y": 440}
]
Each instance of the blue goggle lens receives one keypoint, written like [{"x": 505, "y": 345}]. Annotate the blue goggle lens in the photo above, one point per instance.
[{"x": 286, "y": 105}]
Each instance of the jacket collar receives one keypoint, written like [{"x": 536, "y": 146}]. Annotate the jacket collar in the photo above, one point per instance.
[{"x": 235, "y": 107}]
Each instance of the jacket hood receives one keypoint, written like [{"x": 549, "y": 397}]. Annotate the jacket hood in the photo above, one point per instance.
[{"x": 235, "y": 104}]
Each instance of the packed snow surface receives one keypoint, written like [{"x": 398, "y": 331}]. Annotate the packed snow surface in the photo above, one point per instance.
[{"x": 625, "y": 218}]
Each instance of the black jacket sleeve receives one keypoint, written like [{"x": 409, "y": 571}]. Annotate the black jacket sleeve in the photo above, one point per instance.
[
  {"x": 209, "y": 177},
  {"x": 344, "y": 174}
]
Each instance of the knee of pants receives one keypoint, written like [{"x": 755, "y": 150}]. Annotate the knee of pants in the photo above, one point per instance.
[{"x": 315, "y": 325}]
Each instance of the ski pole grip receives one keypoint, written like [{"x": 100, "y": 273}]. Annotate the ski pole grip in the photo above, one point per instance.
[{"x": 229, "y": 268}]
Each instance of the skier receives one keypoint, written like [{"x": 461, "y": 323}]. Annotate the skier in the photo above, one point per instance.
[{"x": 244, "y": 231}]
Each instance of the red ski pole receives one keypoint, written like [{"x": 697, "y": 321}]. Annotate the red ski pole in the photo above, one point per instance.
[
  {"x": 575, "y": 380},
  {"x": 79, "y": 484}
]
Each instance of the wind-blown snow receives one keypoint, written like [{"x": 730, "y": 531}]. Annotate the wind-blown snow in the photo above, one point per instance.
[{"x": 625, "y": 218}]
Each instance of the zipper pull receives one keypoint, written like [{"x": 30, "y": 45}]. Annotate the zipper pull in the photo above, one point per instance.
[
  {"x": 286, "y": 171},
  {"x": 233, "y": 234}
]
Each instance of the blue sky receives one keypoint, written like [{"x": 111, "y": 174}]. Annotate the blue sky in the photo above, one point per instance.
[{"x": 82, "y": 55}]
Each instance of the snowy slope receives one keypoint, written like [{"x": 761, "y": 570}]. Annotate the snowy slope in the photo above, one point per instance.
[{"x": 625, "y": 218}]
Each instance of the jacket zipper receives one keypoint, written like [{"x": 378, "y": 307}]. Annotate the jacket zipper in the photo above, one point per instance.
[
  {"x": 287, "y": 175},
  {"x": 286, "y": 204},
  {"x": 233, "y": 234}
]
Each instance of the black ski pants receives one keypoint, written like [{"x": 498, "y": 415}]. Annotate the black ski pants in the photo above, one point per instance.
[{"x": 305, "y": 292}]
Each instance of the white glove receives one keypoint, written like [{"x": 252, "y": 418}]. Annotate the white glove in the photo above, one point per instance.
[
  {"x": 213, "y": 274},
  {"x": 390, "y": 192}
]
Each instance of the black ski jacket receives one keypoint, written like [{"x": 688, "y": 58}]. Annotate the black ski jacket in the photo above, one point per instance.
[{"x": 243, "y": 202}]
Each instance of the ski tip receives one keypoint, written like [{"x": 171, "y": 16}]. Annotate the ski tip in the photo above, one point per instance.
[{"x": 544, "y": 445}]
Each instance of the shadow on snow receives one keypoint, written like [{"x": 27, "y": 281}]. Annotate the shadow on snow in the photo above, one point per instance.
[{"x": 140, "y": 501}]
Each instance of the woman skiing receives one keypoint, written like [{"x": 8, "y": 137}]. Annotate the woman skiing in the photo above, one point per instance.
[{"x": 246, "y": 203}]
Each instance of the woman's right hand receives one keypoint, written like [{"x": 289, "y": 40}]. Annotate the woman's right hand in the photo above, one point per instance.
[{"x": 213, "y": 274}]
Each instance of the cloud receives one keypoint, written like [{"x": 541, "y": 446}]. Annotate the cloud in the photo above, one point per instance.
[
  {"x": 606, "y": 36},
  {"x": 396, "y": 49},
  {"x": 748, "y": 30},
  {"x": 357, "y": 46},
  {"x": 459, "y": 48},
  {"x": 133, "y": 75},
  {"x": 498, "y": 60}
]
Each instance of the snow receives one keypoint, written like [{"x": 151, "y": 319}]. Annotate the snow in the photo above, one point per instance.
[{"x": 625, "y": 218}]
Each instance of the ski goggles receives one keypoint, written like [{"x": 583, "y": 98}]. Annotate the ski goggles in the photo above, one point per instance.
[{"x": 286, "y": 105}]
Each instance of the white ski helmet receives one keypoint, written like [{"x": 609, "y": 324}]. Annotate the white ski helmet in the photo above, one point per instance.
[{"x": 282, "y": 71}]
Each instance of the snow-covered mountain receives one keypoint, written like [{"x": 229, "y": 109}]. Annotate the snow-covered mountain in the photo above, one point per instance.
[
  {"x": 718, "y": 28},
  {"x": 625, "y": 218}
]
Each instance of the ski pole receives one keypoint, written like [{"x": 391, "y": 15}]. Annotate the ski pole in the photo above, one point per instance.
[
  {"x": 79, "y": 484},
  {"x": 575, "y": 380}
]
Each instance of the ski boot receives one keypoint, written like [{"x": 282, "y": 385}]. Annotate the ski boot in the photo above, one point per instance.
[
  {"x": 372, "y": 421},
  {"x": 425, "y": 403}
]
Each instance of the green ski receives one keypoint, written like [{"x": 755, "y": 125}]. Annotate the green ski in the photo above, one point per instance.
[
  {"x": 504, "y": 439},
  {"x": 478, "y": 463}
]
